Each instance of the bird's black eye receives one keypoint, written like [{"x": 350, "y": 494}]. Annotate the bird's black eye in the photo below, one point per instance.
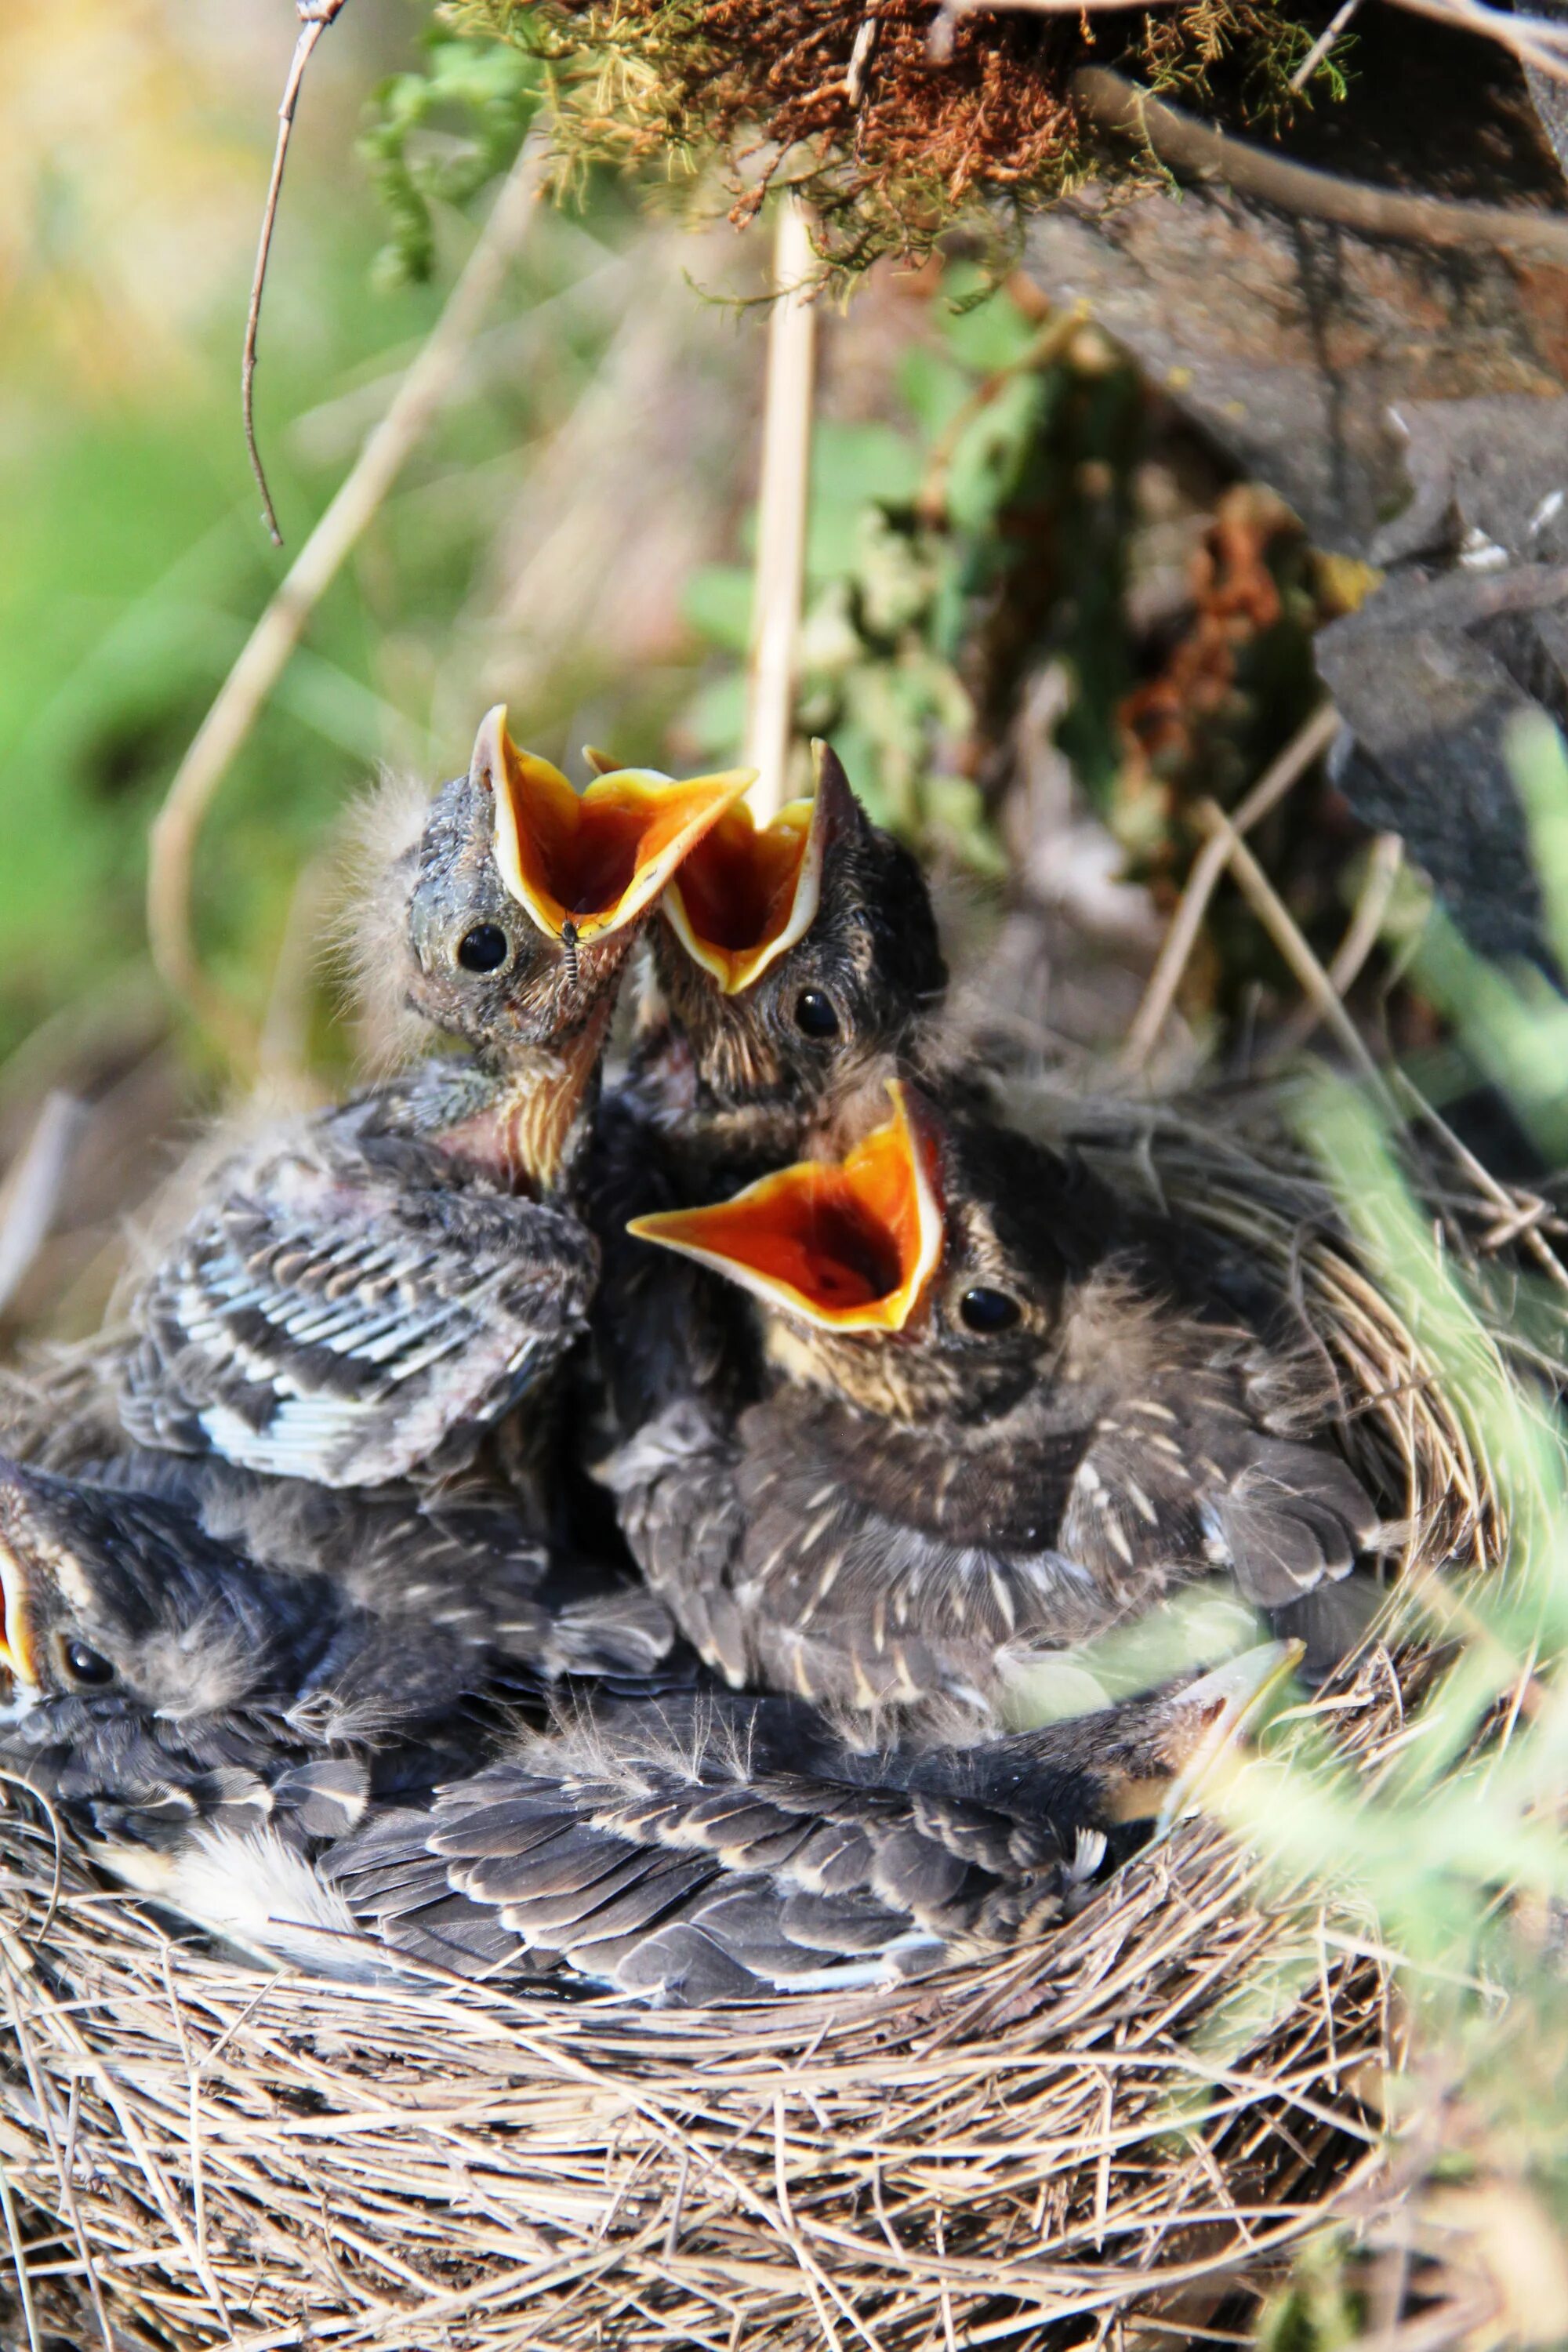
[
  {"x": 484, "y": 948},
  {"x": 85, "y": 1666},
  {"x": 814, "y": 1014},
  {"x": 989, "y": 1310}
]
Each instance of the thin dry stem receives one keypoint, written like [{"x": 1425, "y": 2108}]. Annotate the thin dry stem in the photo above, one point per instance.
[
  {"x": 1384, "y": 862},
  {"x": 779, "y": 578},
  {"x": 1537, "y": 41},
  {"x": 419, "y": 400},
  {"x": 1277, "y": 920},
  {"x": 1323, "y": 44},
  {"x": 30, "y": 1194},
  {"x": 315, "y": 16},
  {"x": 1306, "y": 745}
]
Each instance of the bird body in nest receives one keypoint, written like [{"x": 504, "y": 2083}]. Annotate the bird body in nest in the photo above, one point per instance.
[
  {"x": 216, "y": 1679},
  {"x": 716, "y": 1849},
  {"x": 987, "y": 1426},
  {"x": 358, "y": 1297},
  {"x": 258, "y": 1749},
  {"x": 210, "y": 1588}
]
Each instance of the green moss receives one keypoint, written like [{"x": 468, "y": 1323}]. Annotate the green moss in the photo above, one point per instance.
[{"x": 726, "y": 95}]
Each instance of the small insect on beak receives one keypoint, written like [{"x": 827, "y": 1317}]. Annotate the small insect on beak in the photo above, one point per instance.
[
  {"x": 848, "y": 1246},
  {"x": 588, "y": 864},
  {"x": 745, "y": 896}
]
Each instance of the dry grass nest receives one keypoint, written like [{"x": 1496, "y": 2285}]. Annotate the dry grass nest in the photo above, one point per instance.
[
  {"x": 1183, "y": 2080},
  {"x": 894, "y": 121}
]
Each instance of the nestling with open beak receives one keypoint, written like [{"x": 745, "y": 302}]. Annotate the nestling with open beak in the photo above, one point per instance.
[
  {"x": 736, "y": 1849},
  {"x": 796, "y": 965},
  {"x": 362, "y": 1294},
  {"x": 990, "y": 1427},
  {"x": 214, "y": 1685},
  {"x": 793, "y": 960}
]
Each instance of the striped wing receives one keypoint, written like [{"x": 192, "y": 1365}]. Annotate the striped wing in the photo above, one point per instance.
[
  {"x": 684, "y": 1869},
  {"x": 1181, "y": 1480},
  {"x": 352, "y": 1332}
]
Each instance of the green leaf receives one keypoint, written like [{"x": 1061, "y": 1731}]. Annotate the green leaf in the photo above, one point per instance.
[
  {"x": 851, "y": 466},
  {"x": 988, "y": 334},
  {"x": 934, "y": 387},
  {"x": 717, "y": 603}
]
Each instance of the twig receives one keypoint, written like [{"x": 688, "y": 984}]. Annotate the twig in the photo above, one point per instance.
[
  {"x": 860, "y": 57},
  {"x": 1280, "y": 924},
  {"x": 1365, "y": 930},
  {"x": 1499, "y": 1194},
  {"x": 1323, "y": 44},
  {"x": 780, "y": 574},
  {"x": 31, "y": 1191},
  {"x": 1293, "y": 761},
  {"x": 315, "y": 16},
  {"x": 19, "y": 2260},
  {"x": 1271, "y": 910},
  {"x": 418, "y": 401},
  {"x": 1176, "y": 139}
]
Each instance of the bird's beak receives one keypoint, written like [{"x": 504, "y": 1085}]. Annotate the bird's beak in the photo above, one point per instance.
[
  {"x": 848, "y": 1245},
  {"x": 17, "y": 1653},
  {"x": 595, "y": 860},
  {"x": 745, "y": 896},
  {"x": 1210, "y": 1715}
]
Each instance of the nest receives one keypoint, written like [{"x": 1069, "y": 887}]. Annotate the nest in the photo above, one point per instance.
[{"x": 1113, "y": 2121}]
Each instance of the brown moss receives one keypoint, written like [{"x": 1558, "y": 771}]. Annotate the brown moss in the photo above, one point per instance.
[{"x": 941, "y": 122}]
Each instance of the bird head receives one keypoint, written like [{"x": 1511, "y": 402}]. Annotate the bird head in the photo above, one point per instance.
[
  {"x": 921, "y": 1273},
  {"x": 793, "y": 958},
  {"x": 526, "y": 895},
  {"x": 1145, "y": 1758},
  {"x": 111, "y": 1595}
]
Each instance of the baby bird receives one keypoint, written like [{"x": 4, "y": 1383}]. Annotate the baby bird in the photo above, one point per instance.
[
  {"x": 349, "y": 1614},
  {"x": 733, "y": 1849},
  {"x": 792, "y": 960},
  {"x": 212, "y": 1685},
  {"x": 989, "y": 1426},
  {"x": 683, "y": 1847},
  {"x": 363, "y": 1294},
  {"x": 794, "y": 965}
]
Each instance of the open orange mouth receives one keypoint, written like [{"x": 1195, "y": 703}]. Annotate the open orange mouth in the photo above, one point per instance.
[
  {"x": 745, "y": 896},
  {"x": 594, "y": 860},
  {"x": 849, "y": 1244}
]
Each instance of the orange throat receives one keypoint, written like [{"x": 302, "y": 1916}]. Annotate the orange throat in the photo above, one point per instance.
[{"x": 847, "y": 1246}]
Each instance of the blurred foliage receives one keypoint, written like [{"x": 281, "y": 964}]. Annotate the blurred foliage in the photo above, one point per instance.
[
  {"x": 1509, "y": 1025},
  {"x": 132, "y": 565},
  {"x": 950, "y": 554},
  {"x": 479, "y": 98},
  {"x": 1453, "y": 1855}
]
